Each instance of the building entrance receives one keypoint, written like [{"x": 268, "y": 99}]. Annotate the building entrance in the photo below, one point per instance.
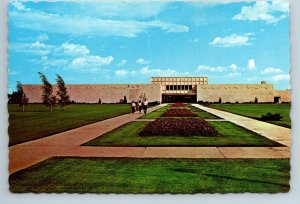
[{"x": 179, "y": 98}]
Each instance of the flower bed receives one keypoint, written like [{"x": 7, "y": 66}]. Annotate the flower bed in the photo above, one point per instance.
[
  {"x": 178, "y": 105},
  {"x": 179, "y": 127},
  {"x": 179, "y": 108},
  {"x": 179, "y": 113}
]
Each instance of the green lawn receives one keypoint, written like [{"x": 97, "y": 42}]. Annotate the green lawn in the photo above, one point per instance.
[
  {"x": 203, "y": 114},
  {"x": 155, "y": 114},
  {"x": 256, "y": 110},
  {"x": 104, "y": 175},
  {"x": 230, "y": 135},
  {"x": 37, "y": 122}
]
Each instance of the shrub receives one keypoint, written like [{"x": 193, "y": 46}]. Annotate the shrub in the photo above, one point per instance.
[
  {"x": 154, "y": 103},
  {"x": 179, "y": 127},
  {"x": 271, "y": 116}
]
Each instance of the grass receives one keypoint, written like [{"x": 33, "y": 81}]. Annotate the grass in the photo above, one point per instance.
[
  {"x": 158, "y": 113},
  {"x": 104, "y": 175},
  {"x": 203, "y": 114},
  {"x": 256, "y": 110},
  {"x": 230, "y": 135},
  {"x": 37, "y": 122},
  {"x": 155, "y": 114}
]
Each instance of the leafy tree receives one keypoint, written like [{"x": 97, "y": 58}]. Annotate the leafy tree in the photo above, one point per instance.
[
  {"x": 125, "y": 100},
  {"x": 62, "y": 93},
  {"x": 220, "y": 100},
  {"x": 48, "y": 98},
  {"x": 13, "y": 98},
  {"x": 99, "y": 101},
  {"x": 21, "y": 96}
]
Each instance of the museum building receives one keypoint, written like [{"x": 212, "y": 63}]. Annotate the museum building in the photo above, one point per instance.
[{"x": 168, "y": 90}]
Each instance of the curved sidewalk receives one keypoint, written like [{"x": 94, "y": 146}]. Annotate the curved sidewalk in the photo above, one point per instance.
[{"x": 277, "y": 133}]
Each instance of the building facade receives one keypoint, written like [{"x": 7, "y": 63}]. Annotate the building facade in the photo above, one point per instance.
[{"x": 168, "y": 90}]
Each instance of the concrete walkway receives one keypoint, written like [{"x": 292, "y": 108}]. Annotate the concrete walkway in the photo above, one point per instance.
[
  {"x": 29, "y": 153},
  {"x": 277, "y": 133},
  {"x": 179, "y": 152},
  {"x": 68, "y": 143}
]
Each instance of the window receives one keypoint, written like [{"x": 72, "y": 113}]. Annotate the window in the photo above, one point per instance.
[
  {"x": 171, "y": 87},
  {"x": 168, "y": 87},
  {"x": 186, "y": 87},
  {"x": 182, "y": 87},
  {"x": 190, "y": 87},
  {"x": 175, "y": 87}
]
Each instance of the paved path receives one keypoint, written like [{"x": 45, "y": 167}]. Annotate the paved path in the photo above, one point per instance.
[
  {"x": 179, "y": 152},
  {"x": 150, "y": 120},
  {"x": 68, "y": 143},
  {"x": 29, "y": 153},
  {"x": 277, "y": 133}
]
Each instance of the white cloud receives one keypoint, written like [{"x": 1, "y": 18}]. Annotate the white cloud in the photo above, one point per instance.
[
  {"x": 124, "y": 73},
  {"x": 264, "y": 11},
  {"x": 52, "y": 62},
  {"x": 211, "y": 69},
  {"x": 74, "y": 49},
  {"x": 36, "y": 48},
  {"x": 19, "y": 5},
  {"x": 233, "y": 67},
  {"x": 234, "y": 74},
  {"x": 66, "y": 55},
  {"x": 147, "y": 71},
  {"x": 121, "y": 72},
  {"x": 280, "y": 77},
  {"x": 122, "y": 62},
  {"x": 90, "y": 63},
  {"x": 12, "y": 72},
  {"x": 66, "y": 24},
  {"x": 252, "y": 78},
  {"x": 251, "y": 64},
  {"x": 271, "y": 70},
  {"x": 124, "y": 9},
  {"x": 232, "y": 40},
  {"x": 142, "y": 61},
  {"x": 43, "y": 37}
]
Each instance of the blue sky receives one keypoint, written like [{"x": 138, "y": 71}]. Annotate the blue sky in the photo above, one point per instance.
[{"x": 127, "y": 42}]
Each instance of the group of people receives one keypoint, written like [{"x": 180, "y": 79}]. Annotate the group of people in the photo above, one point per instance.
[{"x": 139, "y": 106}]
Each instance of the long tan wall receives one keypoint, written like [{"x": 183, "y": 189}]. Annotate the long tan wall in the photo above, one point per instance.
[
  {"x": 285, "y": 95},
  {"x": 108, "y": 93},
  {"x": 235, "y": 92}
]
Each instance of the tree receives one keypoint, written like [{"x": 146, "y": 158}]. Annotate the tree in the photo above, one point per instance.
[
  {"x": 125, "y": 100},
  {"x": 22, "y": 99},
  {"x": 62, "y": 93},
  {"x": 99, "y": 101},
  {"x": 220, "y": 100},
  {"x": 13, "y": 98},
  {"x": 48, "y": 98}
]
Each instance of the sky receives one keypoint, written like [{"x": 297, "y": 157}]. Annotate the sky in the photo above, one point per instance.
[{"x": 101, "y": 42}]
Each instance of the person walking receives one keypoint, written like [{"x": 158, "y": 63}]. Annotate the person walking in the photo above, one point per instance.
[
  {"x": 133, "y": 105},
  {"x": 145, "y": 106},
  {"x": 140, "y": 105}
]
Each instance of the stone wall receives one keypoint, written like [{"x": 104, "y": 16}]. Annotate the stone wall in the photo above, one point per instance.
[
  {"x": 108, "y": 93},
  {"x": 285, "y": 95},
  {"x": 235, "y": 92}
]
